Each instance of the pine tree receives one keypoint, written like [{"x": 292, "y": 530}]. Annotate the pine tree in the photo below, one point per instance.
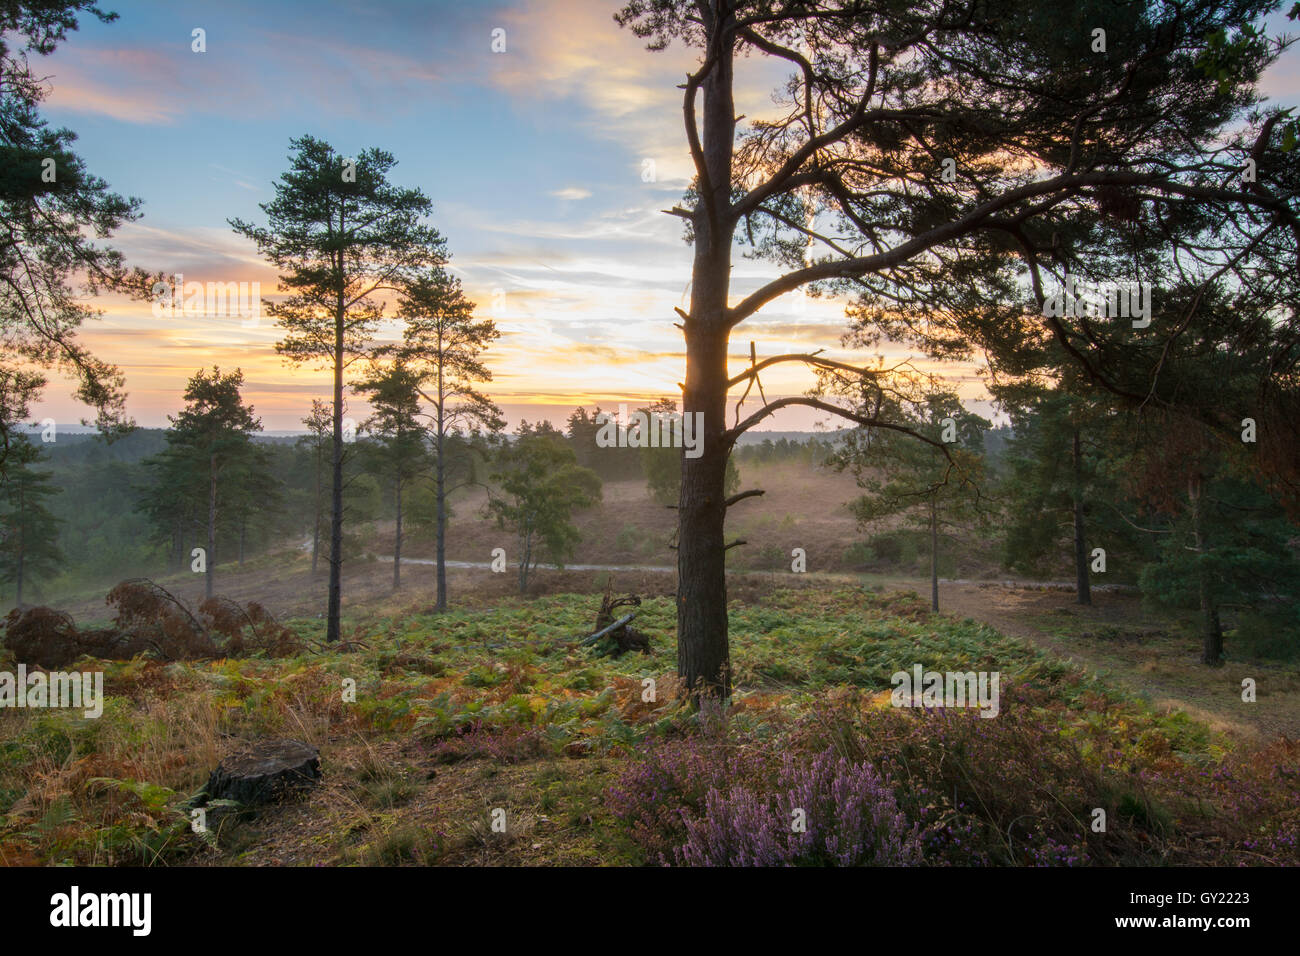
[
  {"x": 343, "y": 236},
  {"x": 1226, "y": 547},
  {"x": 254, "y": 509},
  {"x": 935, "y": 485},
  {"x": 29, "y": 532},
  {"x": 442, "y": 347},
  {"x": 52, "y": 212},
  {"x": 171, "y": 498},
  {"x": 398, "y": 453},
  {"x": 318, "y": 443},
  {"x": 1060, "y": 483},
  {"x": 212, "y": 436},
  {"x": 940, "y": 165}
]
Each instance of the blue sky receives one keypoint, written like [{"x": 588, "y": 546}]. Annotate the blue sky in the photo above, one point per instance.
[{"x": 533, "y": 158}]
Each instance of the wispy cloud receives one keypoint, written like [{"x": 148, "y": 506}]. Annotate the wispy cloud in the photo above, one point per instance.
[
  {"x": 152, "y": 86},
  {"x": 536, "y": 158}
]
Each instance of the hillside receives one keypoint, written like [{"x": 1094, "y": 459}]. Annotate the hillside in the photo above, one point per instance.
[{"x": 493, "y": 707}]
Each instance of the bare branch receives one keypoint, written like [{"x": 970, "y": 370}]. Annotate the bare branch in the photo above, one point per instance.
[{"x": 752, "y": 493}]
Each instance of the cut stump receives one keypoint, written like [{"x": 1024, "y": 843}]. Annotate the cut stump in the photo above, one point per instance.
[{"x": 265, "y": 772}]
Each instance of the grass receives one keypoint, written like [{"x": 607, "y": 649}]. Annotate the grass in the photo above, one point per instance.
[{"x": 459, "y": 715}]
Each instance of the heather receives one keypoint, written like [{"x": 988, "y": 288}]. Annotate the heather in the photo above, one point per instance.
[
  {"x": 886, "y": 786},
  {"x": 826, "y": 812}
]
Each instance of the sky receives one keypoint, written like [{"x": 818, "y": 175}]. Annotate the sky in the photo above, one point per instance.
[{"x": 548, "y": 165}]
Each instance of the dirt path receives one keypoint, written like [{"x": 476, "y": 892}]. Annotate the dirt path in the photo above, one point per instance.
[{"x": 1149, "y": 655}]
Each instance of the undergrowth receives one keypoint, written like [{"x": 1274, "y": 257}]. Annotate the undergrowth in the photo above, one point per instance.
[{"x": 453, "y": 714}]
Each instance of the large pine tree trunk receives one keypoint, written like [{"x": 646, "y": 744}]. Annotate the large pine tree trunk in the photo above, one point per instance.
[
  {"x": 703, "y": 654},
  {"x": 1082, "y": 584}
]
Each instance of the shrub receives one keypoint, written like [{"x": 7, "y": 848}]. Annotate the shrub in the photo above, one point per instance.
[
  {"x": 893, "y": 548},
  {"x": 1011, "y": 790},
  {"x": 49, "y": 638},
  {"x": 504, "y": 744},
  {"x": 697, "y": 801},
  {"x": 667, "y": 783},
  {"x": 825, "y": 813},
  {"x": 1244, "y": 811},
  {"x": 859, "y": 555},
  {"x": 407, "y": 844},
  {"x": 1273, "y": 635},
  {"x": 149, "y": 620}
]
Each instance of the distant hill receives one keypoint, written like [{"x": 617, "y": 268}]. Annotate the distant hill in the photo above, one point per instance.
[
  {"x": 77, "y": 445},
  {"x": 88, "y": 448}
]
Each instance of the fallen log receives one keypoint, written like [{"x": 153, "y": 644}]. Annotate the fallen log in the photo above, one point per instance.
[
  {"x": 622, "y": 621},
  {"x": 621, "y": 638}
]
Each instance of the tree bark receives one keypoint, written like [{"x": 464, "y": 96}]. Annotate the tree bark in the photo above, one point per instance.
[
  {"x": 265, "y": 772},
  {"x": 703, "y": 652},
  {"x": 526, "y": 558},
  {"x": 1083, "y": 585},
  {"x": 1211, "y": 627},
  {"x": 315, "y": 534},
  {"x": 211, "y": 556},
  {"x": 934, "y": 552},
  {"x": 440, "y": 493},
  {"x": 22, "y": 544},
  {"x": 335, "y": 605},
  {"x": 397, "y": 540}
]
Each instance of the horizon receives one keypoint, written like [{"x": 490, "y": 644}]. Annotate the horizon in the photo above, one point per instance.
[{"x": 752, "y": 436}]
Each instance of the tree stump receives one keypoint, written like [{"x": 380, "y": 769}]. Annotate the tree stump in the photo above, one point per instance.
[{"x": 265, "y": 772}]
